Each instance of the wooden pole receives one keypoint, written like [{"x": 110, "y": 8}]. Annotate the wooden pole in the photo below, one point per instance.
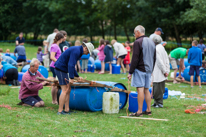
[{"x": 144, "y": 118}]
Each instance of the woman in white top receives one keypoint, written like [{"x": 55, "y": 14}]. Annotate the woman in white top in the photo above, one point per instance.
[{"x": 121, "y": 53}]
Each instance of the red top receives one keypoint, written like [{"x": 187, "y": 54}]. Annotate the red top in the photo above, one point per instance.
[
  {"x": 128, "y": 53},
  {"x": 29, "y": 88}
]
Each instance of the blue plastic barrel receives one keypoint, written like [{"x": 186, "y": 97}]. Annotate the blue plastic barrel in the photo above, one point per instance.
[
  {"x": 41, "y": 69},
  {"x": 20, "y": 76},
  {"x": 133, "y": 103},
  {"x": 186, "y": 63},
  {"x": 86, "y": 98},
  {"x": 122, "y": 95},
  {"x": 165, "y": 95},
  {"x": 97, "y": 64},
  {"x": 203, "y": 75},
  {"x": 187, "y": 76},
  {"x": 28, "y": 61},
  {"x": 92, "y": 68},
  {"x": 115, "y": 69},
  {"x": 1, "y": 73}
]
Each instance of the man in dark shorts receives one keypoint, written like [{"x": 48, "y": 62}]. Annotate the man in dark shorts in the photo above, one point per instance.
[
  {"x": 28, "y": 92},
  {"x": 195, "y": 60},
  {"x": 20, "y": 50},
  {"x": 64, "y": 65}
]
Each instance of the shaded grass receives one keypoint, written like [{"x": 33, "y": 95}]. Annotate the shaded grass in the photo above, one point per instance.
[{"x": 27, "y": 121}]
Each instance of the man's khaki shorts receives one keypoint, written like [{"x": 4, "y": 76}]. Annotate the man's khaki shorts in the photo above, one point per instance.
[{"x": 174, "y": 62}]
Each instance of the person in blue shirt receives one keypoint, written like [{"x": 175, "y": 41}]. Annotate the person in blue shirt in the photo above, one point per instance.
[
  {"x": 195, "y": 60},
  {"x": 202, "y": 47},
  {"x": 10, "y": 72},
  {"x": 20, "y": 50},
  {"x": 20, "y": 40},
  {"x": 66, "y": 64}
]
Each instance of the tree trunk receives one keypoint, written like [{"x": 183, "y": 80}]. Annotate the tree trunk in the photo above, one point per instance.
[
  {"x": 125, "y": 30},
  {"x": 115, "y": 31},
  {"x": 36, "y": 34},
  {"x": 90, "y": 34},
  {"x": 102, "y": 25},
  {"x": 200, "y": 35},
  {"x": 177, "y": 36}
]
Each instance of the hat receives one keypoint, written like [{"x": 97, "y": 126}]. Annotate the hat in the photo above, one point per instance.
[
  {"x": 159, "y": 29},
  {"x": 89, "y": 46}
]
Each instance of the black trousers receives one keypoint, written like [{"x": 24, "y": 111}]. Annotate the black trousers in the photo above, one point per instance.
[{"x": 11, "y": 74}]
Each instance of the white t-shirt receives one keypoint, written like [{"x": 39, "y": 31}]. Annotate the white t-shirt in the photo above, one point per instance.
[{"x": 50, "y": 40}]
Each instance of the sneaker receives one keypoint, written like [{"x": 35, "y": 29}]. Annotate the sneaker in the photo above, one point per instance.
[
  {"x": 160, "y": 105},
  {"x": 17, "y": 83},
  {"x": 200, "y": 86},
  {"x": 61, "y": 113},
  {"x": 191, "y": 86},
  {"x": 14, "y": 82},
  {"x": 153, "y": 105}
]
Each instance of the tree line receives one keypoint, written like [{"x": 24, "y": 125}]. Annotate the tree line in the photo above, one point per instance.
[{"x": 178, "y": 18}]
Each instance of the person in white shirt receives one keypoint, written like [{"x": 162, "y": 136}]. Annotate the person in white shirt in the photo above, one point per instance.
[
  {"x": 121, "y": 53},
  {"x": 160, "y": 72}
]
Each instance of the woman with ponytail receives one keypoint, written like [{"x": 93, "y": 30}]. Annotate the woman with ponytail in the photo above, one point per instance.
[{"x": 55, "y": 53}]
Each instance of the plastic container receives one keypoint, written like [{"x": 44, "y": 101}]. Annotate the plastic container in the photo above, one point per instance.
[
  {"x": 1, "y": 73},
  {"x": 187, "y": 76},
  {"x": 133, "y": 103},
  {"x": 110, "y": 103},
  {"x": 115, "y": 69},
  {"x": 203, "y": 75},
  {"x": 92, "y": 68},
  {"x": 177, "y": 74},
  {"x": 20, "y": 76},
  {"x": 28, "y": 61},
  {"x": 107, "y": 67},
  {"x": 97, "y": 64},
  {"x": 122, "y": 96},
  {"x": 165, "y": 95},
  {"x": 41, "y": 69},
  {"x": 85, "y": 98},
  {"x": 186, "y": 63}
]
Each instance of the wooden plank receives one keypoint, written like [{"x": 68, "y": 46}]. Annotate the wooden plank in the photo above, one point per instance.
[
  {"x": 49, "y": 80},
  {"x": 144, "y": 118}
]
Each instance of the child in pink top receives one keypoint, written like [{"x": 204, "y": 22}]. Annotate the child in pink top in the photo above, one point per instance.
[
  {"x": 101, "y": 55},
  {"x": 55, "y": 53}
]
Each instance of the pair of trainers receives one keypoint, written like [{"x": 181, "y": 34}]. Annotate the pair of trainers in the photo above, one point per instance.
[
  {"x": 15, "y": 83},
  {"x": 65, "y": 113},
  {"x": 157, "y": 105}
]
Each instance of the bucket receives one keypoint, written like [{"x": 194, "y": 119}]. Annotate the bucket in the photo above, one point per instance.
[
  {"x": 187, "y": 76},
  {"x": 107, "y": 67},
  {"x": 133, "y": 103},
  {"x": 41, "y": 69},
  {"x": 97, "y": 64},
  {"x": 1, "y": 73},
  {"x": 203, "y": 75},
  {"x": 165, "y": 95},
  {"x": 85, "y": 98},
  {"x": 122, "y": 96},
  {"x": 20, "y": 76},
  {"x": 115, "y": 69},
  {"x": 110, "y": 103}
]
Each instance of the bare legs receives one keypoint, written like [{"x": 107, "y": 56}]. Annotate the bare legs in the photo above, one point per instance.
[
  {"x": 127, "y": 67},
  {"x": 198, "y": 78},
  {"x": 143, "y": 93},
  {"x": 64, "y": 98},
  {"x": 120, "y": 62},
  {"x": 102, "y": 66},
  {"x": 54, "y": 94},
  {"x": 175, "y": 73},
  {"x": 110, "y": 68}
]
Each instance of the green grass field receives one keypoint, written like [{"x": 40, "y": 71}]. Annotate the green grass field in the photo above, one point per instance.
[{"x": 22, "y": 121}]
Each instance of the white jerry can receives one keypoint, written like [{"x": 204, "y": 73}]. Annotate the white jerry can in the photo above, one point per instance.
[{"x": 110, "y": 102}]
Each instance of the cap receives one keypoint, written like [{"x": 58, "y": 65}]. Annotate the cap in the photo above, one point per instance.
[
  {"x": 89, "y": 46},
  {"x": 159, "y": 29}
]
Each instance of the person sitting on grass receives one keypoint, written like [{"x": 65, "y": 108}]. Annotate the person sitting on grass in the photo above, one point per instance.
[
  {"x": 178, "y": 53},
  {"x": 7, "y": 52},
  {"x": 29, "y": 91},
  {"x": 195, "y": 60},
  {"x": 20, "y": 50}
]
